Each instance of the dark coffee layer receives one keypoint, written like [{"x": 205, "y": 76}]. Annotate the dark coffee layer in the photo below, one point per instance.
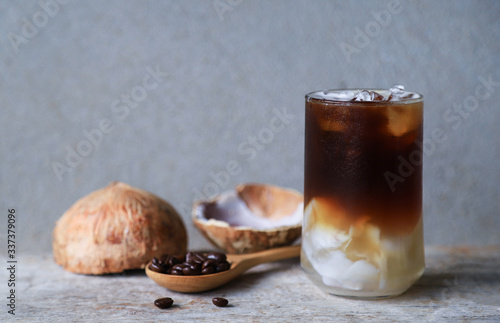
[{"x": 367, "y": 158}]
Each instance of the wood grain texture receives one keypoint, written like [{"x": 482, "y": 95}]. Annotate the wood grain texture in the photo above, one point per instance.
[{"x": 460, "y": 284}]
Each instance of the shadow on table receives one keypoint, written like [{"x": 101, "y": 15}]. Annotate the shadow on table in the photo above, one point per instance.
[
  {"x": 126, "y": 273},
  {"x": 477, "y": 282},
  {"x": 254, "y": 276}
]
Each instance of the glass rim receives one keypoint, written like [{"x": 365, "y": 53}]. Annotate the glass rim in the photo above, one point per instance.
[{"x": 321, "y": 96}]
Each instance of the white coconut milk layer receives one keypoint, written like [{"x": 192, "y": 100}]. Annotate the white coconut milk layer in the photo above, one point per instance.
[{"x": 359, "y": 258}]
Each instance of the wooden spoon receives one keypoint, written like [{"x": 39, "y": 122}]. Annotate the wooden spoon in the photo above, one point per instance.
[{"x": 239, "y": 264}]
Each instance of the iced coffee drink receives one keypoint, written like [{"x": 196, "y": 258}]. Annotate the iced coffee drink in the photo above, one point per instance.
[{"x": 362, "y": 231}]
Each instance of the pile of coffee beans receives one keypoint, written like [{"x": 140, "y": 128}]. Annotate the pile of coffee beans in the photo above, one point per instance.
[{"x": 193, "y": 263}]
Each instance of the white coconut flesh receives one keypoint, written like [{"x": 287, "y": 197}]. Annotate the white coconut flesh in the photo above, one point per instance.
[{"x": 230, "y": 210}]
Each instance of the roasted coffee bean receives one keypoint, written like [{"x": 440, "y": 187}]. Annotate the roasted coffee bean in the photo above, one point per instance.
[
  {"x": 217, "y": 256},
  {"x": 164, "y": 259},
  {"x": 209, "y": 263},
  {"x": 174, "y": 261},
  {"x": 220, "y": 301},
  {"x": 164, "y": 302},
  {"x": 191, "y": 270},
  {"x": 208, "y": 270},
  {"x": 223, "y": 266},
  {"x": 176, "y": 272},
  {"x": 178, "y": 267},
  {"x": 158, "y": 264},
  {"x": 194, "y": 257},
  {"x": 190, "y": 257},
  {"x": 199, "y": 259},
  {"x": 185, "y": 263},
  {"x": 156, "y": 268},
  {"x": 196, "y": 267}
]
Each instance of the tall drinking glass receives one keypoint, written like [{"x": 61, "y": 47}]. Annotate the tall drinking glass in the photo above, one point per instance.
[{"x": 362, "y": 231}]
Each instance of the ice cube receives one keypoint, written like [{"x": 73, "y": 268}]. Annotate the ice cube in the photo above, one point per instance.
[
  {"x": 362, "y": 96},
  {"x": 331, "y": 264},
  {"x": 397, "y": 89},
  {"x": 338, "y": 95},
  {"x": 403, "y": 119},
  {"x": 398, "y": 93},
  {"x": 337, "y": 119},
  {"x": 362, "y": 270},
  {"x": 365, "y": 243},
  {"x": 361, "y": 275},
  {"x": 332, "y": 124},
  {"x": 367, "y": 96},
  {"x": 337, "y": 270},
  {"x": 328, "y": 213},
  {"x": 377, "y": 97},
  {"x": 330, "y": 281},
  {"x": 323, "y": 238}
]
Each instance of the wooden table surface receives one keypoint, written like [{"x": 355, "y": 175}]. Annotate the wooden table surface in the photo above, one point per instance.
[{"x": 459, "y": 284}]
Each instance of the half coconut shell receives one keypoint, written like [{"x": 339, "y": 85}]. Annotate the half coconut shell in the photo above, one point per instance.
[{"x": 251, "y": 218}]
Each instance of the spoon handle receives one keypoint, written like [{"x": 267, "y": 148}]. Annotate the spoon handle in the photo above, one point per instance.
[{"x": 250, "y": 260}]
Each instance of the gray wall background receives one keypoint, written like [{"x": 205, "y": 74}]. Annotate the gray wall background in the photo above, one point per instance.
[{"x": 226, "y": 66}]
